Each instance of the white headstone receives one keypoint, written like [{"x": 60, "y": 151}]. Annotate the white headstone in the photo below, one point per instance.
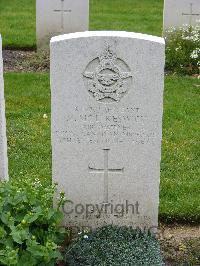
[
  {"x": 107, "y": 102},
  {"x": 3, "y": 140},
  {"x": 55, "y": 17},
  {"x": 178, "y": 13}
]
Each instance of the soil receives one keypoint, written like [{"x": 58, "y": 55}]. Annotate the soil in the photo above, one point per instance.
[
  {"x": 25, "y": 61},
  {"x": 180, "y": 244}
]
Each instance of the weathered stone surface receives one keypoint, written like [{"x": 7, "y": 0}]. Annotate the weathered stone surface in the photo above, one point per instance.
[
  {"x": 3, "y": 140},
  {"x": 107, "y": 101},
  {"x": 55, "y": 17},
  {"x": 181, "y": 12}
]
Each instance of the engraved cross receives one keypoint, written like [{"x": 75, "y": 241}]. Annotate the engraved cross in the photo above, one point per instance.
[
  {"x": 63, "y": 11},
  {"x": 106, "y": 170},
  {"x": 191, "y": 14}
]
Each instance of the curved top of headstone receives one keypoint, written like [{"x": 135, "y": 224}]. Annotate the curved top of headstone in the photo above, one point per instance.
[{"x": 122, "y": 34}]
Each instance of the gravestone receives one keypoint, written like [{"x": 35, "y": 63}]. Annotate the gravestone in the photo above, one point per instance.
[
  {"x": 55, "y": 17},
  {"x": 107, "y": 101},
  {"x": 178, "y": 13},
  {"x": 3, "y": 140}
]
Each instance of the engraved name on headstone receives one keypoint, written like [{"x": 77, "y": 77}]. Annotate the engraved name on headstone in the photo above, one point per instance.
[
  {"x": 107, "y": 100},
  {"x": 3, "y": 139},
  {"x": 55, "y": 17}
]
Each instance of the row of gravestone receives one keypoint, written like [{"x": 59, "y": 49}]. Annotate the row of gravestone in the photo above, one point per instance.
[
  {"x": 107, "y": 93},
  {"x": 55, "y": 17}
]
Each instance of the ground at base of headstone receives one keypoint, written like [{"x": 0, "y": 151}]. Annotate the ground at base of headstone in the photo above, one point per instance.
[
  {"x": 26, "y": 61},
  {"x": 179, "y": 244}
]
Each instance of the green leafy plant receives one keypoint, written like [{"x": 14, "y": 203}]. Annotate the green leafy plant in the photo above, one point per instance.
[
  {"x": 29, "y": 226},
  {"x": 112, "y": 245},
  {"x": 183, "y": 50}
]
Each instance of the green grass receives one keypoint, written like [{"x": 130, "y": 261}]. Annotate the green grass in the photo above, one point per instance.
[
  {"x": 17, "y": 19},
  {"x": 180, "y": 175},
  {"x": 130, "y": 15},
  {"x": 28, "y": 98},
  {"x": 17, "y": 23}
]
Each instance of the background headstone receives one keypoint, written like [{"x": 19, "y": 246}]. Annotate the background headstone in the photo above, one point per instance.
[
  {"x": 181, "y": 12},
  {"x": 3, "y": 140},
  {"x": 55, "y": 17},
  {"x": 107, "y": 101}
]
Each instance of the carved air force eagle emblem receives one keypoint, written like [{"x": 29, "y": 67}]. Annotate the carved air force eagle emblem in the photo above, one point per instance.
[{"x": 107, "y": 77}]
